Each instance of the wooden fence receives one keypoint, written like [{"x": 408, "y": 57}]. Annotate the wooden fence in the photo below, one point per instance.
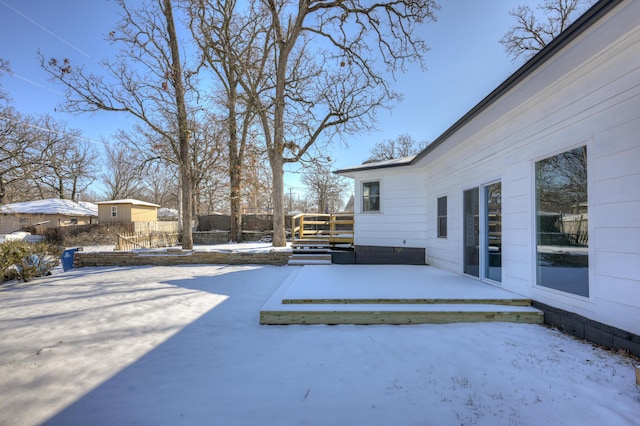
[
  {"x": 156, "y": 226},
  {"x": 145, "y": 240}
]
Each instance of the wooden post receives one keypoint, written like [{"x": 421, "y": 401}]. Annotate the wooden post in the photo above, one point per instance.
[{"x": 332, "y": 225}]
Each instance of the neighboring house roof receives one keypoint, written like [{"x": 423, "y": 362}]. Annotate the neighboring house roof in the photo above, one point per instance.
[
  {"x": 51, "y": 206},
  {"x": 128, "y": 201},
  {"x": 590, "y": 17},
  {"x": 167, "y": 212}
]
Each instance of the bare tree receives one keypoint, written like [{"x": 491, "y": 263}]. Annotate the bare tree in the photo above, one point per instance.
[
  {"x": 325, "y": 79},
  {"x": 14, "y": 150},
  {"x": 146, "y": 80},
  {"x": 82, "y": 168},
  {"x": 207, "y": 151},
  {"x": 160, "y": 184},
  {"x": 325, "y": 189},
  {"x": 123, "y": 171},
  {"x": 5, "y": 68},
  {"x": 17, "y": 145},
  {"x": 235, "y": 46},
  {"x": 390, "y": 149},
  {"x": 24, "y": 144},
  {"x": 532, "y": 32},
  {"x": 68, "y": 163},
  {"x": 256, "y": 182}
]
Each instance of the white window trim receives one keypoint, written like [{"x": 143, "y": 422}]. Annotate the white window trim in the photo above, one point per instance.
[
  {"x": 361, "y": 196},
  {"x": 446, "y": 196},
  {"x": 542, "y": 291}
]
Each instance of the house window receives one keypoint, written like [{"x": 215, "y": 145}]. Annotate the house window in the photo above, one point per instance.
[
  {"x": 73, "y": 221},
  {"x": 442, "y": 217},
  {"x": 371, "y": 196},
  {"x": 562, "y": 258},
  {"x": 114, "y": 211}
]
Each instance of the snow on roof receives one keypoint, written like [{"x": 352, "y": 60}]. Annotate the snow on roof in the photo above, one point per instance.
[
  {"x": 128, "y": 201},
  {"x": 51, "y": 206},
  {"x": 167, "y": 212},
  {"x": 378, "y": 164}
]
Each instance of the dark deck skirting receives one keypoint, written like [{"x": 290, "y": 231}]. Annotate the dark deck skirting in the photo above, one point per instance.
[
  {"x": 373, "y": 255},
  {"x": 590, "y": 330}
]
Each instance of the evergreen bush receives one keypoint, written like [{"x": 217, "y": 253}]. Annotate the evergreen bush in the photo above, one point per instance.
[{"x": 23, "y": 260}]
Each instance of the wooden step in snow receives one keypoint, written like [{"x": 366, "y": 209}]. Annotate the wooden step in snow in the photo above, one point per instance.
[
  {"x": 311, "y": 243},
  {"x": 441, "y": 297},
  {"x": 400, "y": 314},
  {"x": 310, "y": 259}
]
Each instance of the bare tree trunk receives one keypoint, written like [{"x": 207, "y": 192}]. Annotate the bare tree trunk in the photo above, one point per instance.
[
  {"x": 236, "y": 213},
  {"x": 279, "y": 232},
  {"x": 183, "y": 130},
  {"x": 235, "y": 169},
  {"x": 3, "y": 190},
  {"x": 276, "y": 154},
  {"x": 277, "y": 161}
]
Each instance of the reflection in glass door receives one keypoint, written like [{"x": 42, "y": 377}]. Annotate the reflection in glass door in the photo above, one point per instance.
[
  {"x": 471, "y": 207},
  {"x": 493, "y": 232}
]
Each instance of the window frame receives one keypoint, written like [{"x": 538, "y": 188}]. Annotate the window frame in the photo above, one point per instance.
[
  {"x": 378, "y": 195},
  {"x": 569, "y": 295},
  {"x": 441, "y": 229},
  {"x": 114, "y": 211}
]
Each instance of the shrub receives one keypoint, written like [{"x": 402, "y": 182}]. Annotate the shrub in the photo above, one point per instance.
[
  {"x": 54, "y": 236},
  {"x": 25, "y": 261}
]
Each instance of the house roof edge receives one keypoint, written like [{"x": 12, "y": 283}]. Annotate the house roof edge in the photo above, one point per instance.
[{"x": 579, "y": 26}]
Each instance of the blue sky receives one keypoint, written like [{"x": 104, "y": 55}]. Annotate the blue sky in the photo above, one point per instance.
[{"x": 465, "y": 63}]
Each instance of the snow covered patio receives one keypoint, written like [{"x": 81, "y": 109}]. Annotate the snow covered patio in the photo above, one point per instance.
[
  {"x": 397, "y": 294},
  {"x": 183, "y": 345}
]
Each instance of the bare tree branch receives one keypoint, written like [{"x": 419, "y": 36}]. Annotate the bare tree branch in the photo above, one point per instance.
[{"x": 531, "y": 33}]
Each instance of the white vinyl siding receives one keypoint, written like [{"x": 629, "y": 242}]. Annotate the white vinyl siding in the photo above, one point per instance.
[
  {"x": 400, "y": 222},
  {"x": 587, "y": 95},
  {"x": 573, "y": 102}
]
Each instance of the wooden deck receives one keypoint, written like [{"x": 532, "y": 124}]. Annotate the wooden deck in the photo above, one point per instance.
[
  {"x": 401, "y": 294},
  {"x": 332, "y": 228}
]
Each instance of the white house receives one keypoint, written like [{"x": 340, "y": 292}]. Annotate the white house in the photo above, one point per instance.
[{"x": 536, "y": 189}]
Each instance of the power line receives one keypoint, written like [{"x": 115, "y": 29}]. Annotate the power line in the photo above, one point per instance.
[
  {"x": 44, "y": 129},
  {"x": 45, "y": 29},
  {"x": 34, "y": 83}
]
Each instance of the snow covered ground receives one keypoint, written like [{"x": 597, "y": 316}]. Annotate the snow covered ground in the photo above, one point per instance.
[{"x": 183, "y": 346}]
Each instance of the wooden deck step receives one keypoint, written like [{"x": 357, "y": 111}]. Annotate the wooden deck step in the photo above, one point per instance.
[
  {"x": 311, "y": 243},
  {"x": 442, "y": 297},
  {"x": 310, "y": 259},
  {"x": 403, "y": 314},
  {"x": 411, "y": 301},
  {"x": 310, "y": 250}
]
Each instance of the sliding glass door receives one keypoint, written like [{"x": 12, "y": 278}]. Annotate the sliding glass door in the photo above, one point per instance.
[
  {"x": 471, "y": 205},
  {"x": 483, "y": 231},
  {"x": 493, "y": 235}
]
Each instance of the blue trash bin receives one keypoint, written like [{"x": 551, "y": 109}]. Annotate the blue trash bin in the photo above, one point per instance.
[{"x": 67, "y": 259}]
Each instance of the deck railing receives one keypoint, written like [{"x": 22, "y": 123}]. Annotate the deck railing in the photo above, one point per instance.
[{"x": 337, "y": 228}]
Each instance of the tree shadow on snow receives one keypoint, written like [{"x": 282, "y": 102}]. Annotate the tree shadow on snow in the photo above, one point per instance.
[{"x": 178, "y": 380}]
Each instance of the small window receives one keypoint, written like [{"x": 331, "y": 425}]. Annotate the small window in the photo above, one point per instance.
[
  {"x": 73, "y": 221},
  {"x": 371, "y": 196},
  {"x": 442, "y": 217},
  {"x": 114, "y": 211}
]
